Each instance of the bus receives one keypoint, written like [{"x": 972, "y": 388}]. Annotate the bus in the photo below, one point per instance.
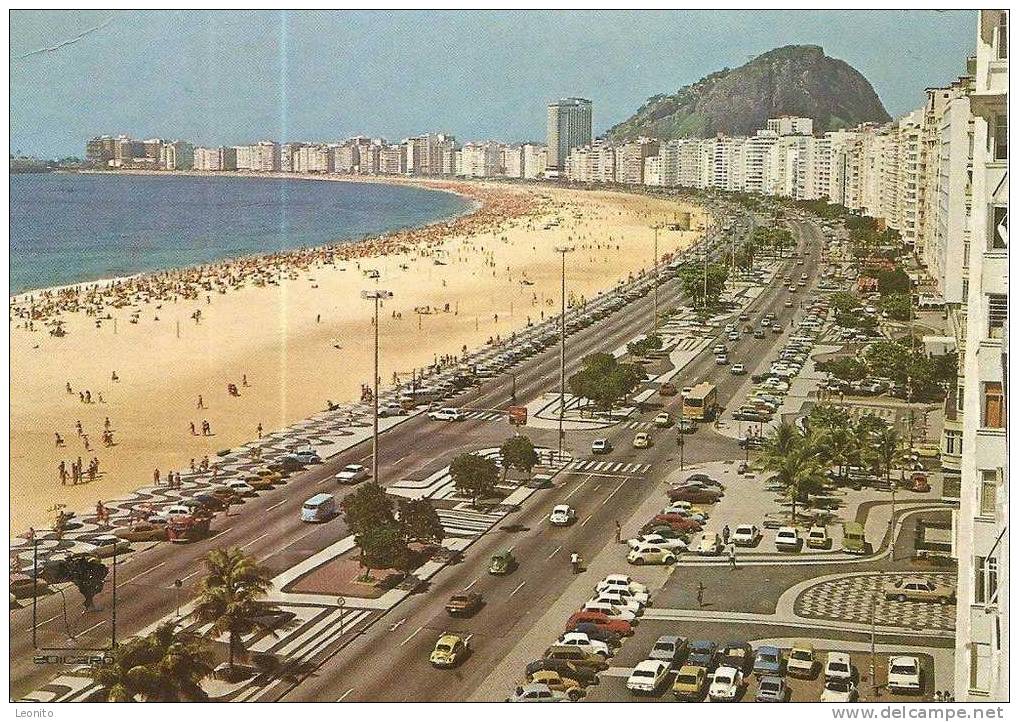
[{"x": 701, "y": 403}]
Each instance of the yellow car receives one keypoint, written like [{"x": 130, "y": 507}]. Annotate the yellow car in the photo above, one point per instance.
[
  {"x": 691, "y": 683},
  {"x": 273, "y": 477},
  {"x": 557, "y": 683},
  {"x": 258, "y": 483},
  {"x": 450, "y": 650}
]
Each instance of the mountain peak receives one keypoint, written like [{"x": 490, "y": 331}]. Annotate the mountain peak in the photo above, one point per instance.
[{"x": 789, "y": 80}]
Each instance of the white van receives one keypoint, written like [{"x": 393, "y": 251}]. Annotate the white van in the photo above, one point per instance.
[{"x": 321, "y": 507}]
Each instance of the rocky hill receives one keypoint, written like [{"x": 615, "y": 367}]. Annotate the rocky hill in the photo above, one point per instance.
[{"x": 792, "y": 80}]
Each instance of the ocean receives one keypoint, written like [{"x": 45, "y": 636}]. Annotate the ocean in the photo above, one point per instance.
[{"x": 69, "y": 228}]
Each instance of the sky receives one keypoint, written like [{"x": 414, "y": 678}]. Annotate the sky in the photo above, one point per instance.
[{"x": 230, "y": 77}]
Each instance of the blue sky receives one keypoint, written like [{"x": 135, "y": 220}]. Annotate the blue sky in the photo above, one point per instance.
[{"x": 231, "y": 77}]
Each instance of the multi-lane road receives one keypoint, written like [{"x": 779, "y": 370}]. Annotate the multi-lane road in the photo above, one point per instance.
[{"x": 376, "y": 663}]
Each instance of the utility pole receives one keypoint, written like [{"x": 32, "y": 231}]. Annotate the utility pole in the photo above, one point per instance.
[
  {"x": 682, "y": 433},
  {"x": 654, "y": 269},
  {"x": 377, "y": 296},
  {"x": 562, "y": 348}
]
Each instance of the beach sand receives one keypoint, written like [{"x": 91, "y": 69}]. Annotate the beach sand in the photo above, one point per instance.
[{"x": 294, "y": 362}]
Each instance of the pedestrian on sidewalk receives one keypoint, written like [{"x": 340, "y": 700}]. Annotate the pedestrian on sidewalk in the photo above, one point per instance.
[
  {"x": 700, "y": 594},
  {"x": 619, "y": 532},
  {"x": 732, "y": 556},
  {"x": 725, "y": 534}
]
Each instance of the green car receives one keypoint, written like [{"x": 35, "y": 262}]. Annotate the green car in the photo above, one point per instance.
[{"x": 503, "y": 563}]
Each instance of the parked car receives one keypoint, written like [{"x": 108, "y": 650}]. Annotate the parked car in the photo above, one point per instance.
[
  {"x": 651, "y": 555},
  {"x": 557, "y": 683},
  {"x": 240, "y": 488},
  {"x": 613, "y": 624},
  {"x": 352, "y": 474},
  {"x": 657, "y": 540},
  {"x": 536, "y": 693},
  {"x": 904, "y": 675},
  {"x": 801, "y": 661},
  {"x": 772, "y": 689},
  {"x": 642, "y": 440},
  {"x": 142, "y": 532},
  {"x": 648, "y": 677},
  {"x": 726, "y": 684},
  {"x": 667, "y": 389},
  {"x": 739, "y": 655},
  {"x": 686, "y": 426},
  {"x": 768, "y": 662},
  {"x": 738, "y": 370},
  {"x": 702, "y": 653},
  {"x": 817, "y": 537},
  {"x": 584, "y": 642},
  {"x": 709, "y": 544},
  {"x": 691, "y": 683},
  {"x": 670, "y": 649},
  {"x": 574, "y": 654},
  {"x": 839, "y": 690},
  {"x": 918, "y": 589},
  {"x": 838, "y": 666},
  {"x": 694, "y": 495},
  {"x": 746, "y": 535},
  {"x": 582, "y": 675},
  {"x": 562, "y": 515},
  {"x": 787, "y": 539}
]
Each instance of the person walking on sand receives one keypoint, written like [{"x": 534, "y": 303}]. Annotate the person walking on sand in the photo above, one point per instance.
[
  {"x": 259, "y": 430},
  {"x": 60, "y": 439},
  {"x": 193, "y": 432},
  {"x": 725, "y": 534},
  {"x": 62, "y": 473},
  {"x": 68, "y": 387},
  {"x": 244, "y": 379},
  {"x": 88, "y": 397},
  {"x": 201, "y": 402},
  {"x": 106, "y": 424},
  {"x": 77, "y": 425},
  {"x": 114, "y": 377},
  {"x": 155, "y": 477}
]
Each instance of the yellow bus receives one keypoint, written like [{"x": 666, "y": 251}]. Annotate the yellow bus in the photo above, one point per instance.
[{"x": 701, "y": 402}]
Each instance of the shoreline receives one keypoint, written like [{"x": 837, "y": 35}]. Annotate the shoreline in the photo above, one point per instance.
[
  {"x": 104, "y": 282},
  {"x": 300, "y": 333}
]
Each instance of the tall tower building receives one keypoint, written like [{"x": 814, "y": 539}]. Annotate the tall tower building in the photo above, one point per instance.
[{"x": 569, "y": 126}]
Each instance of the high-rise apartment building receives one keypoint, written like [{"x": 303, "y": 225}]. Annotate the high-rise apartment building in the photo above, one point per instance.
[
  {"x": 630, "y": 159},
  {"x": 569, "y": 127},
  {"x": 208, "y": 159},
  {"x": 791, "y": 125},
  {"x": 178, "y": 155},
  {"x": 535, "y": 159}
]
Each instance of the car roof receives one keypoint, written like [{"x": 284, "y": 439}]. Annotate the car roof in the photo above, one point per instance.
[
  {"x": 904, "y": 660},
  {"x": 767, "y": 648},
  {"x": 448, "y": 639},
  {"x": 649, "y": 664},
  {"x": 838, "y": 656}
]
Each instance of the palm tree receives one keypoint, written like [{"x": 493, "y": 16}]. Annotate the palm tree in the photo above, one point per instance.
[
  {"x": 799, "y": 474},
  {"x": 165, "y": 666},
  {"x": 785, "y": 439},
  {"x": 230, "y": 598},
  {"x": 887, "y": 448},
  {"x": 838, "y": 445}
]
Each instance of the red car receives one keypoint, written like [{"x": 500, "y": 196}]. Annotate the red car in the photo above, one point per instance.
[
  {"x": 693, "y": 495},
  {"x": 678, "y": 522},
  {"x": 602, "y": 621}
]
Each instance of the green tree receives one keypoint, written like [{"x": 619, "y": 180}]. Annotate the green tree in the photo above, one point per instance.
[
  {"x": 474, "y": 475},
  {"x": 166, "y": 665},
  {"x": 230, "y": 598},
  {"x": 891, "y": 281},
  {"x": 604, "y": 381},
  {"x": 518, "y": 453},
  {"x": 782, "y": 442},
  {"x": 896, "y": 305},
  {"x": 887, "y": 450},
  {"x": 846, "y": 368},
  {"x": 845, "y": 305},
  {"x": 837, "y": 445},
  {"x": 692, "y": 280},
  {"x": 798, "y": 473},
  {"x": 420, "y": 522},
  {"x": 368, "y": 507},
  {"x": 383, "y": 548}
]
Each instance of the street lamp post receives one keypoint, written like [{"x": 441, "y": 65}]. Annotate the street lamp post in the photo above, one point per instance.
[
  {"x": 377, "y": 296},
  {"x": 341, "y": 602},
  {"x": 682, "y": 432},
  {"x": 562, "y": 348},
  {"x": 654, "y": 269}
]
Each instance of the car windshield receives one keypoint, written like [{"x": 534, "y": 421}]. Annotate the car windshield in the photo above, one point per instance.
[
  {"x": 802, "y": 655},
  {"x": 838, "y": 685},
  {"x": 723, "y": 678},
  {"x": 686, "y": 679},
  {"x": 664, "y": 647},
  {"x": 643, "y": 673},
  {"x": 768, "y": 657},
  {"x": 903, "y": 669},
  {"x": 838, "y": 667},
  {"x": 770, "y": 687},
  {"x": 443, "y": 647},
  {"x": 459, "y": 598}
]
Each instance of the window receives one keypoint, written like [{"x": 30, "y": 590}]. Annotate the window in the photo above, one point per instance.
[
  {"x": 980, "y": 667},
  {"x": 985, "y": 580},
  {"x": 1000, "y": 137},
  {"x": 988, "y": 492},
  {"x": 960, "y": 396},
  {"x": 999, "y": 227},
  {"x": 953, "y": 443},
  {"x": 1002, "y": 37},
  {"x": 997, "y": 314},
  {"x": 994, "y": 406}
]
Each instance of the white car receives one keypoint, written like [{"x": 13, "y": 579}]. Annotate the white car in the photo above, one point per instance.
[
  {"x": 657, "y": 540},
  {"x": 725, "y": 685},
  {"x": 562, "y": 515},
  {"x": 352, "y": 474},
  {"x": 634, "y": 589},
  {"x": 651, "y": 555},
  {"x": 787, "y": 539},
  {"x": 622, "y": 580},
  {"x": 648, "y": 676},
  {"x": 241, "y": 488},
  {"x": 738, "y": 369},
  {"x": 709, "y": 543},
  {"x": 591, "y": 646},
  {"x": 446, "y": 414},
  {"x": 839, "y": 690},
  {"x": 642, "y": 440},
  {"x": 610, "y": 610},
  {"x": 171, "y": 512},
  {"x": 904, "y": 674},
  {"x": 618, "y": 600},
  {"x": 663, "y": 420},
  {"x": 838, "y": 666},
  {"x": 746, "y": 535}
]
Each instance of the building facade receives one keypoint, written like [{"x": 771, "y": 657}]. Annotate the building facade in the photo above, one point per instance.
[{"x": 569, "y": 127}]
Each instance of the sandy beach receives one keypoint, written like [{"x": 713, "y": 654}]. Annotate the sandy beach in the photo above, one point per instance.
[{"x": 296, "y": 328}]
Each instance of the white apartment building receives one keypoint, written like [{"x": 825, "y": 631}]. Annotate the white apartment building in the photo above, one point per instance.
[
  {"x": 653, "y": 171},
  {"x": 208, "y": 159},
  {"x": 311, "y": 159},
  {"x": 791, "y": 125},
  {"x": 535, "y": 159},
  {"x": 592, "y": 164},
  {"x": 481, "y": 160},
  {"x": 630, "y": 159},
  {"x": 757, "y": 161},
  {"x": 245, "y": 157},
  {"x": 513, "y": 161},
  {"x": 392, "y": 160},
  {"x": 982, "y": 543}
]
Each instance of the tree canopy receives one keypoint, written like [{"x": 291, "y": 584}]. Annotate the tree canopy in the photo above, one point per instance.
[
  {"x": 604, "y": 381},
  {"x": 474, "y": 475}
]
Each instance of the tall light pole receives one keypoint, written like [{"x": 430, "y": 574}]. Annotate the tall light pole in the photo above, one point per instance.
[
  {"x": 562, "y": 347},
  {"x": 654, "y": 269},
  {"x": 377, "y": 295}
]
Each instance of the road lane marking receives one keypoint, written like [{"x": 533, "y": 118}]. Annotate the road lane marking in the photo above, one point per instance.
[
  {"x": 414, "y": 634},
  {"x": 345, "y": 694},
  {"x": 557, "y": 550},
  {"x": 277, "y": 505},
  {"x": 472, "y": 583},
  {"x": 184, "y": 579},
  {"x": 144, "y": 573},
  {"x": 94, "y": 626},
  {"x": 578, "y": 487},
  {"x": 263, "y": 536},
  {"x": 613, "y": 493},
  {"x": 396, "y": 625},
  {"x": 584, "y": 523},
  {"x": 517, "y": 589}
]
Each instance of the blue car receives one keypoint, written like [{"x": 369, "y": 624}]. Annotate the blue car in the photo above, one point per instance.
[
  {"x": 702, "y": 653},
  {"x": 768, "y": 662},
  {"x": 772, "y": 689}
]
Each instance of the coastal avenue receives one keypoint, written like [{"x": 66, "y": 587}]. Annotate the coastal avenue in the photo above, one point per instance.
[{"x": 268, "y": 527}]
